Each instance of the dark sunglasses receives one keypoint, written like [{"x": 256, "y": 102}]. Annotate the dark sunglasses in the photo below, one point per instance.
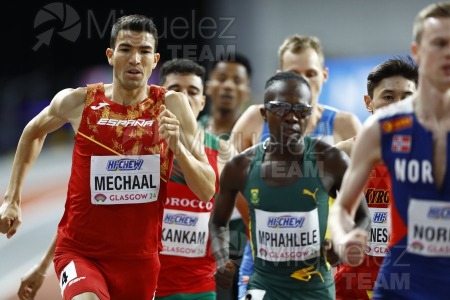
[{"x": 281, "y": 109}]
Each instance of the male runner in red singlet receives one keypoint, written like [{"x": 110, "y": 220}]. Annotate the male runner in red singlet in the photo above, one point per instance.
[
  {"x": 127, "y": 134},
  {"x": 188, "y": 257},
  {"x": 389, "y": 82}
]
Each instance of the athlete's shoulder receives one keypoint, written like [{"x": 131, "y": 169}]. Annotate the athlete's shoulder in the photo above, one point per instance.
[
  {"x": 340, "y": 115},
  {"x": 68, "y": 103},
  {"x": 319, "y": 146},
  {"x": 254, "y": 108},
  {"x": 245, "y": 155},
  {"x": 71, "y": 95},
  {"x": 252, "y": 112},
  {"x": 346, "y": 145},
  {"x": 235, "y": 172},
  {"x": 329, "y": 108},
  {"x": 346, "y": 125}
]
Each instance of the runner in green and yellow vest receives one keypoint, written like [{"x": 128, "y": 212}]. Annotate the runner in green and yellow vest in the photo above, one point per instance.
[{"x": 287, "y": 180}]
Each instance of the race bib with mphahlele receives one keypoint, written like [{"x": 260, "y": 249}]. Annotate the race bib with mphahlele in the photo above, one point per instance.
[
  {"x": 130, "y": 179},
  {"x": 185, "y": 233},
  {"x": 287, "y": 236},
  {"x": 429, "y": 227}
]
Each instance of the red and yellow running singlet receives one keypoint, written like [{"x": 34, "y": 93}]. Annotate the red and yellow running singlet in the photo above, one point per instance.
[{"x": 118, "y": 183}]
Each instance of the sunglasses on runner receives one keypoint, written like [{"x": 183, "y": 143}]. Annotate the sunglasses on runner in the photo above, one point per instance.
[{"x": 281, "y": 109}]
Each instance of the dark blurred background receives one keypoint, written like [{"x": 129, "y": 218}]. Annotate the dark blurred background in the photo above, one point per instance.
[{"x": 49, "y": 46}]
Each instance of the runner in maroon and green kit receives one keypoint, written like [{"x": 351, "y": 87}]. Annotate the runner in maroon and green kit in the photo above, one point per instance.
[{"x": 187, "y": 263}]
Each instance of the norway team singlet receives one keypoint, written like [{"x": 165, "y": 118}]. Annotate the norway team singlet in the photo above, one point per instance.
[
  {"x": 287, "y": 228},
  {"x": 187, "y": 263},
  {"x": 118, "y": 183},
  {"x": 417, "y": 264},
  {"x": 357, "y": 282}
]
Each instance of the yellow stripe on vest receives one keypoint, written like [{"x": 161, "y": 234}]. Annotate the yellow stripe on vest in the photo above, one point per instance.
[
  {"x": 107, "y": 148},
  {"x": 305, "y": 274}
]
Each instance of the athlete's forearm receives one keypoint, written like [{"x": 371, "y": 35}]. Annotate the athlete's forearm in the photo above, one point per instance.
[
  {"x": 27, "y": 152},
  {"x": 220, "y": 239},
  {"x": 199, "y": 175},
  {"x": 340, "y": 222},
  {"x": 362, "y": 216},
  {"x": 47, "y": 259}
]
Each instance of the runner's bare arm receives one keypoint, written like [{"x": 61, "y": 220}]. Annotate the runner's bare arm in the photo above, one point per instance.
[
  {"x": 31, "y": 282},
  {"x": 226, "y": 152},
  {"x": 247, "y": 130},
  {"x": 346, "y": 125},
  {"x": 366, "y": 152},
  {"x": 65, "y": 107},
  {"x": 179, "y": 127},
  {"x": 232, "y": 181}
]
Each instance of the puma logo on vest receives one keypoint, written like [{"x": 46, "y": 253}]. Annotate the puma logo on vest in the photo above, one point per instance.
[{"x": 309, "y": 193}]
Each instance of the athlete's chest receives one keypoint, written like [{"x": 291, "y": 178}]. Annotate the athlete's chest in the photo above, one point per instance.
[{"x": 131, "y": 130}]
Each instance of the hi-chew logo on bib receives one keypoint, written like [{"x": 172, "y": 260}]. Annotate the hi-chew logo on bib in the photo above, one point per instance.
[
  {"x": 180, "y": 219},
  {"x": 125, "y": 180},
  {"x": 124, "y": 164}
]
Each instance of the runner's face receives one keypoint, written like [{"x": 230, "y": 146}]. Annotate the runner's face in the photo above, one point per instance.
[
  {"x": 133, "y": 58},
  {"x": 389, "y": 90},
  {"x": 189, "y": 84},
  {"x": 308, "y": 65},
  {"x": 286, "y": 110},
  {"x": 433, "y": 53},
  {"x": 228, "y": 86}
]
